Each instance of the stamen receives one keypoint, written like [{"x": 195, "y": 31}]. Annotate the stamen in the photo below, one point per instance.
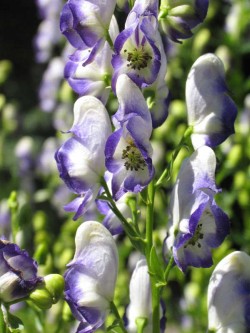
[
  {"x": 133, "y": 157},
  {"x": 138, "y": 58},
  {"x": 198, "y": 235}
]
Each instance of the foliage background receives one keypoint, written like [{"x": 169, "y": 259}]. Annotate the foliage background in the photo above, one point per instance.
[{"x": 45, "y": 230}]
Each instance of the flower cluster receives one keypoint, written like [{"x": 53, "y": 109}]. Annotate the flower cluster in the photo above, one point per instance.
[
  {"x": 196, "y": 223},
  {"x": 109, "y": 154}
]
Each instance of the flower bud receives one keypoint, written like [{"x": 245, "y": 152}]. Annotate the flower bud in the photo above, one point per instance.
[
  {"x": 55, "y": 285},
  {"x": 178, "y": 18},
  {"x": 49, "y": 292},
  {"x": 18, "y": 273},
  {"x": 211, "y": 111}
]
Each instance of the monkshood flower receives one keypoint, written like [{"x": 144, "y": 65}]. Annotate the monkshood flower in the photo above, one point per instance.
[
  {"x": 178, "y": 18},
  {"x": 91, "y": 276},
  {"x": 80, "y": 160},
  {"x": 229, "y": 295},
  {"x": 196, "y": 223},
  {"x": 85, "y": 23},
  {"x": 137, "y": 53},
  {"x": 50, "y": 84},
  {"x": 5, "y": 220},
  {"x": 18, "y": 273},
  {"x": 48, "y": 34},
  {"x": 143, "y": 8},
  {"x": 92, "y": 78},
  {"x": 211, "y": 111},
  {"x": 140, "y": 306},
  {"x": 128, "y": 150}
]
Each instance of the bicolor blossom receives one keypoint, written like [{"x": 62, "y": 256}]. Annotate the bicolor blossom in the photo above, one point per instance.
[
  {"x": 143, "y": 8},
  {"x": 229, "y": 295},
  {"x": 128, "y": 150},
  {"x": 91, "y": 276},
  {"x": 196, "y": 223},
  {"x": 211, "y": 111},
  {"x": 94, "y": 77},
  {"x": 18, "y": 273},
  {"x": 178, "y": 18},
  {"x": 86, "y": 23},
  {"x": 137, "y": 51},
  {"x": 80, "y": 160}
]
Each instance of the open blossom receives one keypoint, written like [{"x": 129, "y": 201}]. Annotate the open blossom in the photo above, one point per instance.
[
  {"x": 92, "y": 77},
  {"x": 128, "y": 150},
  {"x": 178, "y": 18},
  {"x": 80, "y": 160},
  {"x": 210, "y": 109},
  {"x": 18, "y": 273},
  {"x": 196, "y": 223},
  {"x": 91, "y": 276},
  {"x": 229, "y": 295},
  {"x": 137, "y": 53}
]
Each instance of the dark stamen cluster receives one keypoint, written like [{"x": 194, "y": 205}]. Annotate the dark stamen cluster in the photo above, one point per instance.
[
  {"x": 138, "y": 58},
  {"x": 133, "y": 157},
  {"x": 197, "y": 236}
]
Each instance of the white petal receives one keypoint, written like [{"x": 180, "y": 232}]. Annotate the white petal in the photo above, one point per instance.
[
  {"x": 225, "y": 302},
  {"x": 95, "y": 245},
  {"x": 93, "y": 126}
]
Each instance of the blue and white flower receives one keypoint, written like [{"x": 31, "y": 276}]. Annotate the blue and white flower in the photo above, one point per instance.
[
  {"x": 137, "y": 53},
  {"x": 92, "y": 77},
  {"x": 178, "y": 18},
  {"x": 91, "y": 276},
  {"x": 229, "y": 295},
  {"x": 211, "y": 111},
  {"x": 196, "y": 223},
  {"x": 86, "y": 23},
  {"x": 80, "y": 160},
  {"x": 128, "y": 150},
  {"x": 18, "y": 273}
]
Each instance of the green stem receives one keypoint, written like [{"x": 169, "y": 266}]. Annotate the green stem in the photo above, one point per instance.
[
  {"x": 169, "y": 267},
  {"x": 109, "y": 40},
  {"x": 150, "y": 217},
  {"x": 3, "y": 327},
  {"x": 168, "y": 170},
  {"x": 133, "y": 234},
  {"x": 118, "y": 317},
  {"x": 13, "y": 205},
  {"x": 149, "y": 243}
]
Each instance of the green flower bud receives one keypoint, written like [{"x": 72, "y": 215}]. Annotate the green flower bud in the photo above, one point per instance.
[
  {"x": 55, "y": 286},
  {"x": 49, "y": 292},
  {"x": 41, "y": 298}
]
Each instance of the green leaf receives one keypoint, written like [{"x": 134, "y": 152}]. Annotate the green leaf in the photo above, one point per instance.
[
  {"x": 15, "y": 325},
  {"x": 156, "y": 268},
  {"x": 115, "y": 327}
]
